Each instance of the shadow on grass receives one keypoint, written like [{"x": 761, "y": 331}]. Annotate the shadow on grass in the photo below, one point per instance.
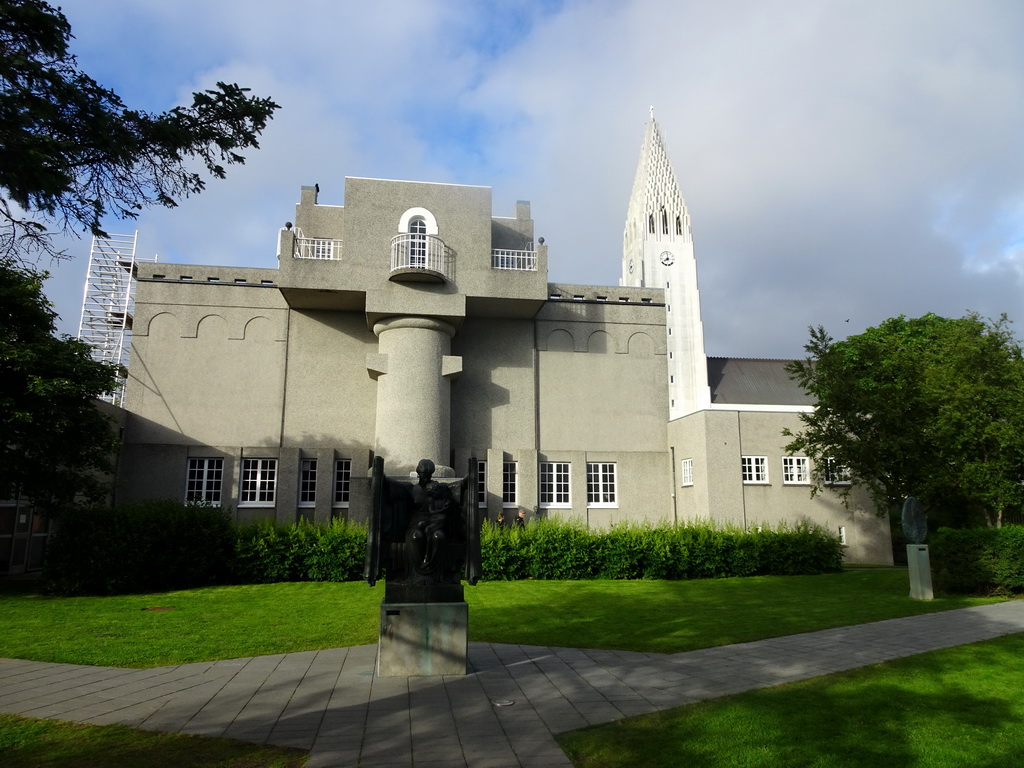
[
  {"x": 46, "y": 743},
  {"x": 672, "y": 616}
]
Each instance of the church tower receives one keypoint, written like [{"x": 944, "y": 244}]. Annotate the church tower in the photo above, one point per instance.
[{"x": 657, "y": 252}]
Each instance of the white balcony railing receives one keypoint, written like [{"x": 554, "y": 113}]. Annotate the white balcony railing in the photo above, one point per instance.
[
  {"x": 523, "y": 261},
  {"x": 417, "y": 251},
  {"x": 317, "y": 248}
]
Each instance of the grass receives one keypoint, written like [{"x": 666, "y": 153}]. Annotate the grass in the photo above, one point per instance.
[
  {"x": 26, "y": 741},
  {"x": 674, "y": 616},
  {"x": 237, "y": 621},
  {"x": 945, "y": 709}
]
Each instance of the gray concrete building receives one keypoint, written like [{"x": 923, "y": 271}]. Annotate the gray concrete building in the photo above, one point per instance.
[{"x": 411, "y": 322}]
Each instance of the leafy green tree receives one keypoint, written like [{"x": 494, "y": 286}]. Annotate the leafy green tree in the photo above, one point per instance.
[
  {"x": 71, "y": 151},
  {"x": 55, "y": 444},
  {"x": 931, "y": 407}
]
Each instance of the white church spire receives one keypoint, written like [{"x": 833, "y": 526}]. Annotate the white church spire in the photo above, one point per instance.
[
  {"x": 657, "y": 210},
  {"x": 657, "y": 252}
]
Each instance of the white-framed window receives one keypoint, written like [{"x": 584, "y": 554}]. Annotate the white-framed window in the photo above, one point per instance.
[
  {"x": 342, "y": 481},
  {"x": 307, "y": 482},
  {"x": 481, "y": 484},
  {"x": 259, "y": 482},
  {"x": 554, "y": 484},
  {"x": 601, "y": 485},
  {"x": 842, "y": 535},
  {"x": 418, "y": 242},
  {"x": 509, "y": 484},
  {"x": 755, "y": 469},
  {"x": 835, "y": 473},
  {"x": 686, "y": 472},
  {"x": 205, "y": 480},
  {"x": 795, "y": 470}
]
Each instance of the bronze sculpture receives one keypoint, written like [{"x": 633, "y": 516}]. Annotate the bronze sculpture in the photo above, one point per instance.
[{"x": 422, "y": 539}]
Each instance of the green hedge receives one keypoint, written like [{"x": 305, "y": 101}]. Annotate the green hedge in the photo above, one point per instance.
[
  {"x": 978, "y": 561},
  {"x": 267, "y": 552},
  {"x": 156, "y": 546},
  {"x": 567, "y": 550},
  {"x": 162, "y": 545},
  {"x": 146, "y": 547}
]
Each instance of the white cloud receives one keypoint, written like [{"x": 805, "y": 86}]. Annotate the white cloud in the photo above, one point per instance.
[{"x": 841, "y": 160}]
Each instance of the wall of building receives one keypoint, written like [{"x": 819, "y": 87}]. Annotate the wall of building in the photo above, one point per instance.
[{"x": 717, "y": 440}]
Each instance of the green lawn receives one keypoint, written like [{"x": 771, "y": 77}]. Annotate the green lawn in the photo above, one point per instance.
[
  {"x": 946, "y": 709},
  {"x": 26, "y": 741},
  {"x": 657, "y": 616},
  {"x": 228, "y": 622}
]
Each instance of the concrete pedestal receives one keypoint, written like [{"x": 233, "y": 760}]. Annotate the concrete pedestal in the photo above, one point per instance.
[
  {"x": 920, "y": 568},
  {"x": 422, "y": 639}
]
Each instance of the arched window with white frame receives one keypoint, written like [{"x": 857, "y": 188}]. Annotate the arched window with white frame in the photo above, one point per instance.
[{"x": 417, "y": 242}]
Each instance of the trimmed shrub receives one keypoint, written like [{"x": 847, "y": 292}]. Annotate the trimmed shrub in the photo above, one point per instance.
[
  {"x": 267, "y": 552},
  {"x": 338, "y": 553},
  {"x": 503, "y": 552},
  {"x": 150, "y": 546},
  {"x": 566, "y": 550},
  {"x": 980, "y": 561},
  {"x": 559, "y": 550}
]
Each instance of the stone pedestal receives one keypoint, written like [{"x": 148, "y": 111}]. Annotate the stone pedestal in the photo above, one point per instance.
[
  {"x": 422, "y": 639},
  {"x": 920, "y": 568}
]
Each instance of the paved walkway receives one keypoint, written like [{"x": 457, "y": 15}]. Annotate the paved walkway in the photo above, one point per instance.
[{"x": 330, "y": 703}]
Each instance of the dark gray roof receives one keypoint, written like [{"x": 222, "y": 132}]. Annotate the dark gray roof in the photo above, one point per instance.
[{"x": 738, "y": 380}]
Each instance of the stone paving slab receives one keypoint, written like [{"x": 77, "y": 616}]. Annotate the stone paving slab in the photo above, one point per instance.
[{"x": 330, "y": 702}]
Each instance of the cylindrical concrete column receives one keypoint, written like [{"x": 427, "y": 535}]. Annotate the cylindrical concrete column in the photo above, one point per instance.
[{"x": 414, "y": 394}]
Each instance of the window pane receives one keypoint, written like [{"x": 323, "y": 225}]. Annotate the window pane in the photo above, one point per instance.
[
  {"x": 204, "y": 480},
  {"x": 342, "y": 481},
  {"x": 508, "y": 483},
  {"x": 307, "y": 481},
  {"x": 259, "y": 481}
]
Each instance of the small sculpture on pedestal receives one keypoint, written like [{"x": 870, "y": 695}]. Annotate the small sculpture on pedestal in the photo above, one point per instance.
[
  {"x": 915, "y": 528},
  {"x": 424, "y": 541},
  {"x": 421, "y": 539}
]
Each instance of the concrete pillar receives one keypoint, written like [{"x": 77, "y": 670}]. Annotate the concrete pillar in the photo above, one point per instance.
[{"x": 414, "y": 372}]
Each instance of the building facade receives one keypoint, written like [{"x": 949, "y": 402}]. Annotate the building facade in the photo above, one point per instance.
[{"x": 410, "y": 322}]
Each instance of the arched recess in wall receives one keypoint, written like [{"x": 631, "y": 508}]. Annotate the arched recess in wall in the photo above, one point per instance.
[
  {"x": 212, "y": 327},
  {"x": 600, "y": 342},
  {"x": 164, "y": 325},
  {"x": 259, "y": 328},
  {"x": 418, "y": 213},
  {"x": 560, "y": 340},
  {"x": 641, "y": 345}
]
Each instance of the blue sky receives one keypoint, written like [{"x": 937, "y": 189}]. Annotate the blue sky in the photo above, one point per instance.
[{"x": 843, "y": 162}]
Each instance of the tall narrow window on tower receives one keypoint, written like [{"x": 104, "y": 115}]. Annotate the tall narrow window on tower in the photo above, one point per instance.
[{"x": 664, "y": 220}]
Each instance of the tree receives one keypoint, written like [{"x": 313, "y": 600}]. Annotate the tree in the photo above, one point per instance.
[
  {"x": 71, "y": 151},
  {"x": 930, "y": 407},
  {"x": 55, "y": 444}
]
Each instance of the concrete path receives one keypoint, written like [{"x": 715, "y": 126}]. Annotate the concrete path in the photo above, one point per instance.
[{"x": 505, "y": 713}]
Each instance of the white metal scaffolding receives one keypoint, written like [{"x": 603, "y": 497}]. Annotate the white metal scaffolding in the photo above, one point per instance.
[{"x": 109, "y": 302}]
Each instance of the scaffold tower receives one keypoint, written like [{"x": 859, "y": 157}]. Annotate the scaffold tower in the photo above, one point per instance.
[{"x": 109, "y": 302}]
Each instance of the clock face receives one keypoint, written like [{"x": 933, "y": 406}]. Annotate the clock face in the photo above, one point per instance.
[
  {"x": 667, "y": 258},
  {"x": 631, "y": 266}
]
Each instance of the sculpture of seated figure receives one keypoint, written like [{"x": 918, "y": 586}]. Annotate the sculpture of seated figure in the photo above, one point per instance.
[
  {"x": 432, "y": 503},
  {"x": 424, "y": 536}
]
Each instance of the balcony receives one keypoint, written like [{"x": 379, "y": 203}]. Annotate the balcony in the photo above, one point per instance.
[
  {"x": 316, "y": 248},
  {"x": 522, "y": 261},
  {"x": 420, "y": 258}
]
